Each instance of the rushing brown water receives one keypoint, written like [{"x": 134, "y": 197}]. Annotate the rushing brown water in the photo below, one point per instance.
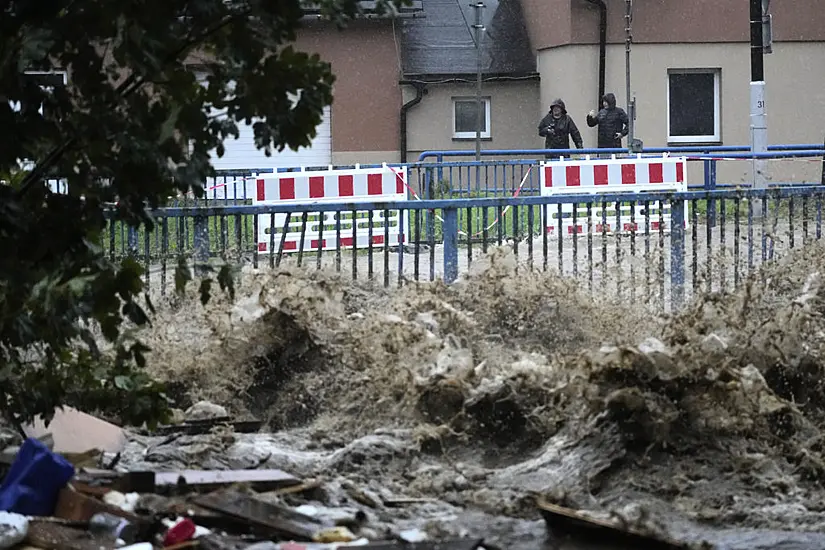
[{"x": 512, "y": 384}]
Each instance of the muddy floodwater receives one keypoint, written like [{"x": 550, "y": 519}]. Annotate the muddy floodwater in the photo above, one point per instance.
[{"x": 451, "y": 409}]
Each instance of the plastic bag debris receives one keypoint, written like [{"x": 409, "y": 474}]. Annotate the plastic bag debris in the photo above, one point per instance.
[{"x": 13, "y": 529}]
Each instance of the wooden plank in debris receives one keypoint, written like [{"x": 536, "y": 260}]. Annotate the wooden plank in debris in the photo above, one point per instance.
[
  {"x": 456, "y": 544},
  {"x": 75, "y": 506},
  {"x": 51, "y": 536},
  {"x": 278, "y": 519},
  {"x": 567, "y": 521},
  {"x": 260, "y": 480}
]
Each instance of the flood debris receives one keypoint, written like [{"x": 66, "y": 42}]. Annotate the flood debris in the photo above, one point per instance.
[
  {"x": 65, "y": 507},
  {"x": 565, "y": 522},
  {"x": 77, "y": 432},
  {"x": 13, "y": 529}
]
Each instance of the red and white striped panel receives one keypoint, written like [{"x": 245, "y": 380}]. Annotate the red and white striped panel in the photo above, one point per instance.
[
  {"x": 325, "y": 185},
  {"x": 291, "y": 244},
  {"x": 568, "y": 175},
  {"x": 394, "y": 224}
]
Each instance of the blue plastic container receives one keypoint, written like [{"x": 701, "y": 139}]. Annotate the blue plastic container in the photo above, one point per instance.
[{"x": 34, "y": 480}]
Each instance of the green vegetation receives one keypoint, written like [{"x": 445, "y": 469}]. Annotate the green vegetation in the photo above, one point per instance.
[{"x": 133, "y": 126}]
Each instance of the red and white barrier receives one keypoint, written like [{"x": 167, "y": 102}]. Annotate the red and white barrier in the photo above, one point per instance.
[
  {"x": 597, "y": 176},
  {"x": 332, "y": 186}
]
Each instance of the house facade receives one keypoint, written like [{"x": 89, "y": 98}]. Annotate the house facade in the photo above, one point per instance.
[
  {"x": 690, "y": 72},
  {"x": 362, "y": 125},
  {"x": 439, "y": 68}
]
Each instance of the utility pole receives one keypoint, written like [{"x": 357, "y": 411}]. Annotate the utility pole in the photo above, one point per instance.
[
  {"x": 758, "y": 112},
  {"x": 631, "y": 104},
  {"x": 633, "y": 145},
  {"x": 478, "y": 28}
]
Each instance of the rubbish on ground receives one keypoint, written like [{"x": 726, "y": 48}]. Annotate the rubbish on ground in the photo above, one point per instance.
[
  {"x": 268, "y": 517},
  {"x": 52, "y": 536},
  {"x": 563, "y": 521},
  {"x": 180, "y": 532},
  {"x": 334, "y": 534},
  {"x": 113, "y": 526},
  {"x": 13, "y": 529},
  {"x": 125, "y": 502},
  {"x": 413, "y": 535},
  {"x": 77, "y": 432},
  {"x": 75, "y": 506},
  {"x": 98, "y": 482},
  {"x": 456, "y": 544},
  {"x": 34, "y": 479}
]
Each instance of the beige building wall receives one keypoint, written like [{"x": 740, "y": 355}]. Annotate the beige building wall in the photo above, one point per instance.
[
  {"x": 795, "y": 76},
  {"x": 365, "y": 157},
  {"x": 515, "y": 112}
]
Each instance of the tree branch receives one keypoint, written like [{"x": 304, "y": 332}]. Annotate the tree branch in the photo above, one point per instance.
[{"x": 126, "y": 88}]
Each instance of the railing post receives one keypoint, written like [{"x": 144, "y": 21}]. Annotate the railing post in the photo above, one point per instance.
[
  {"x": 677, "y": 255},
  {"x": 429, "y": 194},
  {"x": 440, "y": 173},
  {"x": 449, "y": 228},
  {"x": 710, "y": 185},
  {"x": 823, "y": 164},
  {"x": 200, "y": 239}
]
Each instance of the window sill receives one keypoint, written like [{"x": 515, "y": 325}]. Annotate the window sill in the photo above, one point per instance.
[
  {"x": 698, "y": 143},
  {"x": 472, "y": 139}
]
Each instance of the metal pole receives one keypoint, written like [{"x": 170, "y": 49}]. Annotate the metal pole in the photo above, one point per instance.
[
  {"x": 478, "y": 27},
  {"x": 758, "y": 114},
  {"x": 631, "y": 115}
]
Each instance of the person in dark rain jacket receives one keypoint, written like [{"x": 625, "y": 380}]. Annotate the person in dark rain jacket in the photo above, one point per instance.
[
  {"x": 612, "y": 122},
  {"x": 557, "y": 128}
]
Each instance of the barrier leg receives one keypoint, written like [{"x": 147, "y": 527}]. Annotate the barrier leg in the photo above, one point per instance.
[
  {"x": 677, "y": 256},
  {"x": 200, "y": 240},
  {"x": 449, "y": 228}
]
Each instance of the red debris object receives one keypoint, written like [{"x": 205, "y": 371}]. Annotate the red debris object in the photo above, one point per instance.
[{"x": 181, "y": 532}]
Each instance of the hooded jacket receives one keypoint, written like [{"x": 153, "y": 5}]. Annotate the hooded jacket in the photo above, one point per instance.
[
  {"x": 558, "y": 131},
  {"x": 611, "y": 121}
]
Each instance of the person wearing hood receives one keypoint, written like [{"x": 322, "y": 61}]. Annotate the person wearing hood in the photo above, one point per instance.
[
  {"x": 557, "y": 128},
  {"x": 612, "y": 122}
]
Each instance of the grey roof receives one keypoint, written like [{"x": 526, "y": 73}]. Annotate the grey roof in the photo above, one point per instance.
[
  {"x": 368, "y": 7},
  {"x": 441, "y": 42}
]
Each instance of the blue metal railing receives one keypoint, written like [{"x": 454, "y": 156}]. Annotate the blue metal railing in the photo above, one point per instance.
[
  {"x": 440, "y": 155},
  {"x": 662, "y": 266}
]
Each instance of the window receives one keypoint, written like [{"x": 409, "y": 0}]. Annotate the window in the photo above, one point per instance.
[
  {"x": 693, "y": 106},
  {"x": 464, "y": 117}
]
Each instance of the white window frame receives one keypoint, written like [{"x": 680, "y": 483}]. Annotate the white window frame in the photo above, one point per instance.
[
  {"x": 471, "y": 135},
  {"x": 717, "y": 100}
]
